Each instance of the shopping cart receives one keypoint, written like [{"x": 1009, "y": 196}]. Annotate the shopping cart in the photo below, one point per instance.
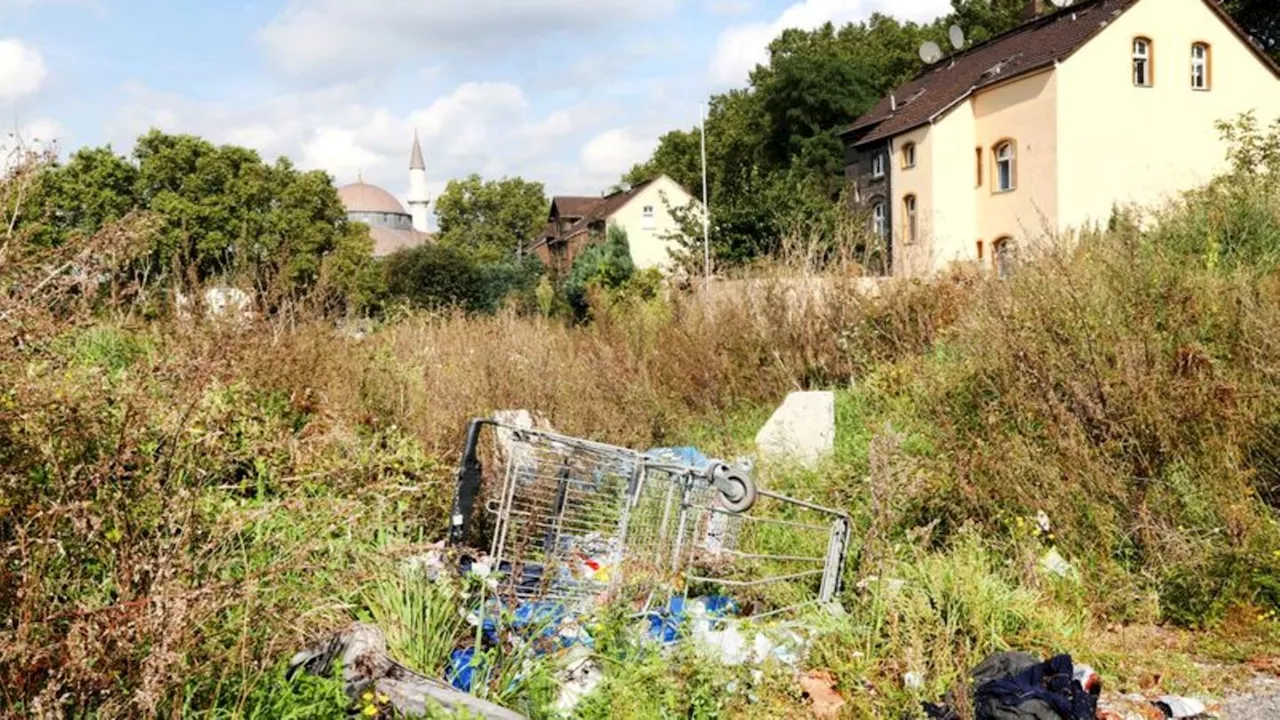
[{"x": 576, "y": 521}]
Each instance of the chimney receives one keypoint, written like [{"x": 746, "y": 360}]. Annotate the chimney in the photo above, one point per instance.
[{"x": 1035, "y": 8}]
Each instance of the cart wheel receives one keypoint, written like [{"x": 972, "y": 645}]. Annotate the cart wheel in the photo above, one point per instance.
[{"x": 745, "y": 496}]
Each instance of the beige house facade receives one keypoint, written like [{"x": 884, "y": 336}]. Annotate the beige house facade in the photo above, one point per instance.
[
  {"x": 645, "y": 211},
  {"x": 1048, "y": 128}
]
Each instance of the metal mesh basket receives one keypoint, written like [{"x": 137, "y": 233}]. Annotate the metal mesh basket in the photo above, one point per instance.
[{"x": 576, "y": 521}]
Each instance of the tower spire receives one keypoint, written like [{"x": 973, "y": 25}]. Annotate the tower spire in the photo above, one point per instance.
[
  {"x": 415, "y": 160},
  {"x": 419, "y": 198}
]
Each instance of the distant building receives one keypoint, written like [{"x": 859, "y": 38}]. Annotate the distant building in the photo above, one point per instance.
[
  {"x": 390, "y": 225},
  {"x": 1051, "y": 125},
  {"x": 643, "y": 210}
]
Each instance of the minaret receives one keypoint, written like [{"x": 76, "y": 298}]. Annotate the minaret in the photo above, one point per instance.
[{"x": 419, "y": 200}]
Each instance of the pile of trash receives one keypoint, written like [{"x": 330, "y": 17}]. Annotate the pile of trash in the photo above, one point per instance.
[
  {"x": 550, "y": 633},
  {"x": 1018, "y": 686}
]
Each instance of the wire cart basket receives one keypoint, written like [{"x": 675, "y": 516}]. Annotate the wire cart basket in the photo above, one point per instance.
[{"x": 576, "y": 521}]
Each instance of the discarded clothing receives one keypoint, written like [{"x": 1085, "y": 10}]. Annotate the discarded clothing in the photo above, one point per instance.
[{"x": 1017, "y": 686}]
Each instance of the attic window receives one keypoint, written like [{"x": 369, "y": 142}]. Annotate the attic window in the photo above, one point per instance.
[
  {"x": 648, "y": 217},
  {"x": 877, "y": 166},
  {"x": 1143, "y": 75},
  {"x": 909, "y": 155}
]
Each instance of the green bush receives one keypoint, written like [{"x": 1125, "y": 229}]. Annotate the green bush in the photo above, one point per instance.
[{"x": 606, "y": 265}]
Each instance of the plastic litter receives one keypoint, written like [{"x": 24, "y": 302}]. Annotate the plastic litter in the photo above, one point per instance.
[
  {"x": 913, "y": 680},
  {"x": 1054, "y": 564},
  {"x": 1174, "y": 706}
]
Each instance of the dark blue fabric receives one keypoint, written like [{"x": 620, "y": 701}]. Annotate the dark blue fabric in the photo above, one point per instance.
[{"x": 1052, "y": 683}]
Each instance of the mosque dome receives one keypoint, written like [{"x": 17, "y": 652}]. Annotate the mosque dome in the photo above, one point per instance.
[
  {"x": 361, "y": 197},
  {"x": 390, "y": 224}
]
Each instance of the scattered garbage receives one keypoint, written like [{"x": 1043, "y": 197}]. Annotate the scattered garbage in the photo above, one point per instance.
[
  {"x": 1017, "y": 686},
  {"x": 913, "y": 680},
  {"x": 820, "y": 687},
  {"x": 1174, "y": 706},
  {"x": 689, "y": 544},
  {"x": 589, "y": 523},
  {"x": 362, "y": 652},
  {"x": 1054, "y": 564},
  {"x": 579, "y": 678}
]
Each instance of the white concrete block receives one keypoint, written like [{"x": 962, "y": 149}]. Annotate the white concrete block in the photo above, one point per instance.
[{"x": 802, "y": 430}]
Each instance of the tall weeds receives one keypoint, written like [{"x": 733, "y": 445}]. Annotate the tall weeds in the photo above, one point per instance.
[{"x": 185, "y": 501}]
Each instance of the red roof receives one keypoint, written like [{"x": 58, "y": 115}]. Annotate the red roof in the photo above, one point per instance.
[
  {"x": 570, "y": 206},
  {"x": 1034, "y": 46}
]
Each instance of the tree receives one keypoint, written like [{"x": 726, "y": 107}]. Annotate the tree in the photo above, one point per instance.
[
  {"x": 982, "y": 20},
  {"x": 433, "y": 277},
  {"x": 490, "y": 219},
  {"x": 1260, "y": 19},
  {"x": 605, "y": 265},
  {"x": 219, "y": 212}
]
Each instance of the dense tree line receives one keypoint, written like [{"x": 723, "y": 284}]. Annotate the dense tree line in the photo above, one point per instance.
[
  {"x": 774, "y": 158},
  {"x": 218, "y": 213}
]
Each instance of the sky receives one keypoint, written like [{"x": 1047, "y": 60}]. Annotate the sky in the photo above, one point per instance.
[{"x": 570, "y": 93}]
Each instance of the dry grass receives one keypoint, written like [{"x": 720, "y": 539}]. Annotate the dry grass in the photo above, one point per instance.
[{"x": 183, "y": 502}]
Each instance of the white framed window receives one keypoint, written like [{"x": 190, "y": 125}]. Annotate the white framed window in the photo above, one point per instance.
[
  {"x": 649, "y": 222},
  {"x": 909, "y": 155},
  {"x": 879, "y": 218},
  {"x": 877, "y": 166},
  {"x": 1200, "y": 66},
  {"x": 1142, "y": 66},
  {"x": 911, "y": 227},
  {"x": 1006, "y": 156},
  {"x": 1002, "y": 256}
]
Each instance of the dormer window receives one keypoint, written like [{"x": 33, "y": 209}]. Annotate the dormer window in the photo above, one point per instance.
[
  {"x": 1200, "y": 66},
  {"x": 877, "y": 166},
  {"x": 909, "y": 155},
  {"x": 1143, "y": 71}
]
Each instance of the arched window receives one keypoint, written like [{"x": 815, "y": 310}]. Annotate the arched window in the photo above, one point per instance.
[
  {"x": 1143, "y": 74},
  {"x": 1002, "y": 257},
  {"x": 1200, "y": 68},
  {"x": 911, "y": 226},
  {"x": 909, "y": 155},
  {"x": 1006, "y": 155},
  {"x": 879, "y": 226}
]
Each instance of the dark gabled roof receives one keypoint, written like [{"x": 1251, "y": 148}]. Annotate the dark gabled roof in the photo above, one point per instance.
[
  {"x": 571, "y": 206},
  {"x": 605, "y": 207},
  {"x": 1034, "y": 46}
]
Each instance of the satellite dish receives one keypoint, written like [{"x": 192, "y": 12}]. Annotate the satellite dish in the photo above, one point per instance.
[
  {"x": 957, "y": 37},
  {"x": 930, "y": 53}
]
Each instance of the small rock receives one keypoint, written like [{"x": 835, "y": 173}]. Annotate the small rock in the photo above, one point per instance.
[{"x": 802, "y": 430}]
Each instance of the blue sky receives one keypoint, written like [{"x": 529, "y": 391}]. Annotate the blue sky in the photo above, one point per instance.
[{"x": 567, "y": 92}]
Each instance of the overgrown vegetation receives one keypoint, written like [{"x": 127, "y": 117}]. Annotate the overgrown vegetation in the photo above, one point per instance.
[{"x": 184, "y": 502}]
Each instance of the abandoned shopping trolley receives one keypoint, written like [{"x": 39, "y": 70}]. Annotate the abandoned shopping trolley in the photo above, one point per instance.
[{"x": 574, "y": 520}]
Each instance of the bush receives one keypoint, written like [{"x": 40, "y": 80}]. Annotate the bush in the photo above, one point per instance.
[
  {"x": 436, "y": 277},
  {"x": 602, "y": 266}
]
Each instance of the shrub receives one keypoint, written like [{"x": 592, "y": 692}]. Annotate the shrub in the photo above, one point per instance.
[{"x": 603, "y": 266}]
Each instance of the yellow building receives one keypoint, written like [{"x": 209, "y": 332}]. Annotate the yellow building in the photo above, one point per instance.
[{"x": 1051, "y": 126}]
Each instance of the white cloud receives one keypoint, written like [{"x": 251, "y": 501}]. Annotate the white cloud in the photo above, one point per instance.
[
  {"x": 613, "y": 152},
  {"x": 345, "y": 39},
  {"x": 22, "y": 70},
  {"x": 742, "y": 47}
]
